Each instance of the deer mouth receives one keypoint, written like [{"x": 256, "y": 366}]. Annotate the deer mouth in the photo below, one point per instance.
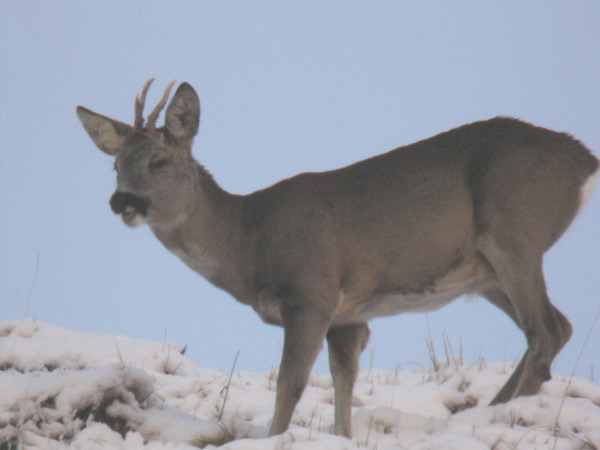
[
  {"x": 133, "y": 209},
  {"x": 130, "y": 215}
]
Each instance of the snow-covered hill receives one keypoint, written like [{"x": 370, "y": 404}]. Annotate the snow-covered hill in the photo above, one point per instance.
[{"x": 64, "y": 389}]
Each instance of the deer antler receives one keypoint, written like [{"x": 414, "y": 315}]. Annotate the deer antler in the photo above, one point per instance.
[
  {"x": 151, "y": 126},
  {"x": 139, "y": 106}
]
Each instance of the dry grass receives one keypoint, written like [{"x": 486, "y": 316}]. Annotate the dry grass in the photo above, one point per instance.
[{"x": 225, "y": 391}]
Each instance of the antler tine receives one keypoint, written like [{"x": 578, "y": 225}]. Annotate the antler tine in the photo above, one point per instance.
[
  {"x": 139, "y": 106},
  {"x": 156, "y": 111}
]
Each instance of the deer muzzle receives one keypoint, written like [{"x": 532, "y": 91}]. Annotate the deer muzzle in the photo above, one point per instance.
[{"x": 130, "y": 206}]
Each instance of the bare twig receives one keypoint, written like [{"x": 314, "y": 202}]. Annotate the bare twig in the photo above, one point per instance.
[
  {"x": 227, "y": 387},
  {"x": 430, "y": 347},
  {"x": 369, "y": 431},
  {"x": 372, "y": 355},
  {"x": 587, "y": 337},
  {"x": 18, "y": 330},
  {"x": 118, "y": 350},
  {"x": 449, "y": 350}
]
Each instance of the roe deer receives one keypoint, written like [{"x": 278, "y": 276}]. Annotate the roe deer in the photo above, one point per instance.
[{"x": 471, "y": 210}]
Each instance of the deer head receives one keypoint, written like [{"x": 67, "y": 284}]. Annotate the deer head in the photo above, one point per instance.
[{"x": 156, "y": 173}]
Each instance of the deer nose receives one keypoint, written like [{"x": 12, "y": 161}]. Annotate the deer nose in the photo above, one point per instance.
[{"x": 121, "y": 200}]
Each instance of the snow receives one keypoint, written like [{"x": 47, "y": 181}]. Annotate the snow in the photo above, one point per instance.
[{"x": 64, "y": 389}]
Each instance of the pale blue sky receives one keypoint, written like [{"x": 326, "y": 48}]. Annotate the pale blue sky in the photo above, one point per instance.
[{"x": 285, "y": 87}]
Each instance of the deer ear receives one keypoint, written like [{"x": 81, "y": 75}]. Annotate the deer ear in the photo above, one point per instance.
[
  {"x": 107, "y": 134},
  {"x": 183, "y": 113}
]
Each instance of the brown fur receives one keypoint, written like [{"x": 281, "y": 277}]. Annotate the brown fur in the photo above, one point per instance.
[{"x": 471, "y": 210}]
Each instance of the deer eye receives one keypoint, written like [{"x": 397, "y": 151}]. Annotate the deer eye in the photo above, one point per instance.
[{"x": 158, "y": 163}]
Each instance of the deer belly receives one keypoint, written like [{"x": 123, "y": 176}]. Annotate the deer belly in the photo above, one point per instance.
[
  {"x": 464, "y": 280},
  {"x": 390, "y": 304}
]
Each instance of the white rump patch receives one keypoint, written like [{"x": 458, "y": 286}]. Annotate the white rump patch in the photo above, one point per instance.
[{"x": 587, "y": 189}]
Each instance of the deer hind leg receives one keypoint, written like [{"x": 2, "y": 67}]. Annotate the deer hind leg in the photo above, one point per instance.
[
  {"x": 522, "y": 295},
  {"x": 497, "y": 297},
  {"x": 345, "y": 346}
]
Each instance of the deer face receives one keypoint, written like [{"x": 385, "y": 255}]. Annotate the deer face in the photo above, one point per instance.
[
  {"x": 155, "y": 169},
  {"x": 153, "y": 181}
]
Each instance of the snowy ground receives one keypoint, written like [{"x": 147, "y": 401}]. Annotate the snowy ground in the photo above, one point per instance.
[{"x": 64, "y": 389}]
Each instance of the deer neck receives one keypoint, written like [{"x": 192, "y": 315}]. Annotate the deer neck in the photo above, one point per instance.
[{"x": 207, "y": 236}]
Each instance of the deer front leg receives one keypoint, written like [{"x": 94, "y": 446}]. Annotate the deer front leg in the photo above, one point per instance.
[
  {"x": 304, "y": 332},
  {"x": 345, "y": 345}
]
